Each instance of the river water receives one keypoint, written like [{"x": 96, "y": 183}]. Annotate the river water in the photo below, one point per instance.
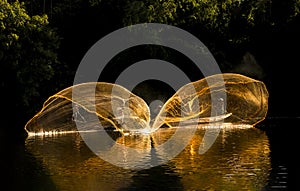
[{"x": 240, "y": 159}]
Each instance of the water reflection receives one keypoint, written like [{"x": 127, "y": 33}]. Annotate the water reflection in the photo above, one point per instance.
[{"x": 238, "y": 160}]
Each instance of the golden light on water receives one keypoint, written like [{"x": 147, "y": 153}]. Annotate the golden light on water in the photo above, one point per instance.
[
  {"x": 238, "y": 159},
  {"x": 56, "y": 133}
]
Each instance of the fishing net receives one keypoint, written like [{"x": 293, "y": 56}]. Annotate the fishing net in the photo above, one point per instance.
[{"x": 229, "y": 97}]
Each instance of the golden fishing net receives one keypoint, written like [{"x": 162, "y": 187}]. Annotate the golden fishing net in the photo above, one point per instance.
[{"x": 97, "y": 105}]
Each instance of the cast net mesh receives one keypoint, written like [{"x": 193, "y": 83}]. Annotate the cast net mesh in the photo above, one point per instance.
[{"x": 97, "y": 105}]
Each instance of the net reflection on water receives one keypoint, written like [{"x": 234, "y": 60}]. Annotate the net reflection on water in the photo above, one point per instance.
[{"x": 239, "y": 159}]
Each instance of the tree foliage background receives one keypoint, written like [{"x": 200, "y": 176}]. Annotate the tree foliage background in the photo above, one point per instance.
[
  {"x": 42, "y": 42},
  {"x": 28, "y": 57}
]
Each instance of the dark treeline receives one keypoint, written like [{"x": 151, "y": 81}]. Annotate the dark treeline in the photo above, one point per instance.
[{"x": 42, "y": 43}]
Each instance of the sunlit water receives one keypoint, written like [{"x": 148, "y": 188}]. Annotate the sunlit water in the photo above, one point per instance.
[{"x": 240, "y": 159}]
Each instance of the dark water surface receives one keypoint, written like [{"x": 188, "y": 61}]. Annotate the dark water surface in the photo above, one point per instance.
[{"x": 240, "y": 159}]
